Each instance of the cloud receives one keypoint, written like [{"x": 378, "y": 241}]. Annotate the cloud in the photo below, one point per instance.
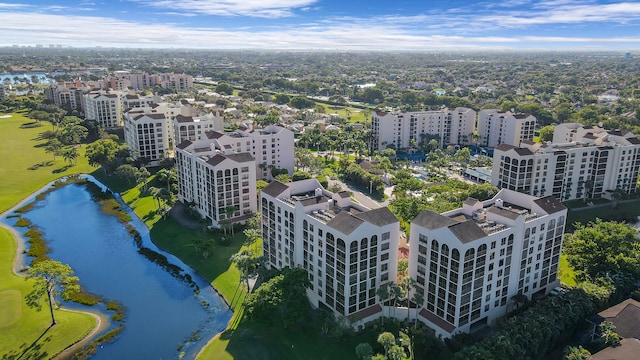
[
  {"x": 567, "y": 12},
  {"x": 253, "y": 8},
  {"x": 25, "y": 28},
  {"x": 12, "y": 6}
]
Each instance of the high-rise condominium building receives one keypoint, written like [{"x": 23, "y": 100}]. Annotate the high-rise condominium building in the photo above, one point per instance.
[
  {"x": 581, "y": 163},
  {"x": 400, "y": 129},
  {"x": 470, "y": 262},
  {"x": 347, "y": 250},
  {"x": 496, "y": 127}
]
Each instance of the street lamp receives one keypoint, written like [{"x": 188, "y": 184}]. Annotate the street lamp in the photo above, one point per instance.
[{"x": 370, "y": 185}]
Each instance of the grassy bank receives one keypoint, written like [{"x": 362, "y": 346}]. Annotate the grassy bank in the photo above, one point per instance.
[
  {"x": 26, "y": 167},
  {"x": 25, "y": 333}
]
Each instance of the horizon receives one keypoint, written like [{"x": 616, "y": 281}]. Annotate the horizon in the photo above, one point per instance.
[{"x": 325, "y": 25}]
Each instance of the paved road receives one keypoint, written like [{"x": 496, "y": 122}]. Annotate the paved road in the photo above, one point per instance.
[{"x": 362, "y": 197}]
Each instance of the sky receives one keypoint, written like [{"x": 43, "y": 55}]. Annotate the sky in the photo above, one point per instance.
[{"x": 325, "y": 24}]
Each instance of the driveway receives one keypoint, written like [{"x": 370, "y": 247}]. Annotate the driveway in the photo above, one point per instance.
[{"x": 363, "y": 198}]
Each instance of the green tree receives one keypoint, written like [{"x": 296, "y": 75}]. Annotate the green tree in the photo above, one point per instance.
[
  {"x": 281, "y": 300},
  {"x": 51, "y": 278},
  {"x": 142, "y": 177},
  {"x": 603, "y": 246},
  {"x": 246, "y": 263},
  {"x": 224, "y": 88},
  {"x": 301, "y": 102},
  {"x": 70, "y": 154},
  {"x": 53, "y": 146},
  {"x": 128, "y": 172},
  {"x": 102, "y": 153},
  {"x": 546, "y": 133},
  {"x": 576, "y": 353},
  {"x": 387, "y": 340},
  {"x": 281, "y": 99},
  {"x": 364, "y": 351},
  {"x": 229, "y": 211}
]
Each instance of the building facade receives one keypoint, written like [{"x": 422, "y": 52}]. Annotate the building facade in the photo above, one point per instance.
[
  {"x": 192, "y": 128},
  {"x": 272, "y": 147},
  {"x": 469, "y": 263},
  {"x": 399, "y": 129},
  {"x": 219, "y": 183},
  {"x": 581, "y": 163},
  {"x": 104, "y": 108},
  {"x": 346, "y": 249},
  {"x": 147, "y": 135},
  {"x": 496, "y": 127},
  {"x": 67, "y": 95}
]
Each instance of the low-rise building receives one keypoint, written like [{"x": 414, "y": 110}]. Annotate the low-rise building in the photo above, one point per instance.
[
  {"x": 347, "y": 250},
  {"x": 470, "y": 262}
]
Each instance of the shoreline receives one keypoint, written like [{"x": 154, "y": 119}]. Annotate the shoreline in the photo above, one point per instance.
[{"x": 102, "y": 320}]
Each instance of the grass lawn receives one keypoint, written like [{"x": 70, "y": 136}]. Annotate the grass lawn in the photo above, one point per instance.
[
  {"x": 566, "y": 274},
  {"x": 628, "y": 212},
  {"x": 25, "y": 333},
  {"x": 25, "y": 165},
  {"x": 26, "y": 168},
  {"x": 357, "y": 115}
]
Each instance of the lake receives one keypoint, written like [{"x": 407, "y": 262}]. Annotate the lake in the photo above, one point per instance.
[
  {"x": 42, "y": 78},
  {"x": 162, "y": 312}
]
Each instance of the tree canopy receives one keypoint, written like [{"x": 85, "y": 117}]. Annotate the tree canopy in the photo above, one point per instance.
[
  {"x": 603, "y": 246},
  {"x": 282, "y": 299}
]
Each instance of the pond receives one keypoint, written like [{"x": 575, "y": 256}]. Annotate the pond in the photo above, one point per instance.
[{"x": 162, "y": 312}]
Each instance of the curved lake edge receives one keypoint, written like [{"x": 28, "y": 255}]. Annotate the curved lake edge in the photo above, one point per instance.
[
  {"x": 20, "y": 258},
  {"x": 103, "y": 319}
]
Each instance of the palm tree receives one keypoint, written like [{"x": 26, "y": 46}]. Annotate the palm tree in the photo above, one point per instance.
[
  {"x": 407, "y": 284},
  {"x": 53, "y": 146},
  {"x": 70, "y": 154},
  {"x": 417, "y": 298},
  {"x": 229, "y": 210},
  {"x": 246, "y": 264},
  {"x": 383, "y": 294}
]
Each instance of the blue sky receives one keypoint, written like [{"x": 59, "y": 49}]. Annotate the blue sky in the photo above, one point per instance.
[{"x": 325, "y": 24}]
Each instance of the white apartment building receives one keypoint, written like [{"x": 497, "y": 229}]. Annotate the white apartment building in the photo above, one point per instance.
[
  {"x": 104, "y": 108},
  {"x": 496, "y": 127},
  {"x": 470, "y": 262},
  {"x": 192, "y": 128},
  {"x": 180, "y": 82},
  {"x": 67, "y": 95},
  {"x": 452, "y": 126},
  {"x": 138, "y": 101},
  {"x": 346, "y": 249},
  {"x": 272, "y": 147},
  {"x": 216, "y": 180},
  {"x": 585, "y": 162},
  {"x": 147, "y": 135}
]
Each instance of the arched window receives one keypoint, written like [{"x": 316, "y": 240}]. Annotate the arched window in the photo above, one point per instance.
[
  {"x": 305, "y": 225},
  {"x": 445, "y": 250},
  {"x": 552, "y": 224},
  {"x": 434, "y": 245},
  {"x": 364, "y": 243},
  {"x": 455, "y": 255}
]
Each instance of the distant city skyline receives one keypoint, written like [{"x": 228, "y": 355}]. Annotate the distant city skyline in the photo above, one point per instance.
[{"x": 325, "y": 24}]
